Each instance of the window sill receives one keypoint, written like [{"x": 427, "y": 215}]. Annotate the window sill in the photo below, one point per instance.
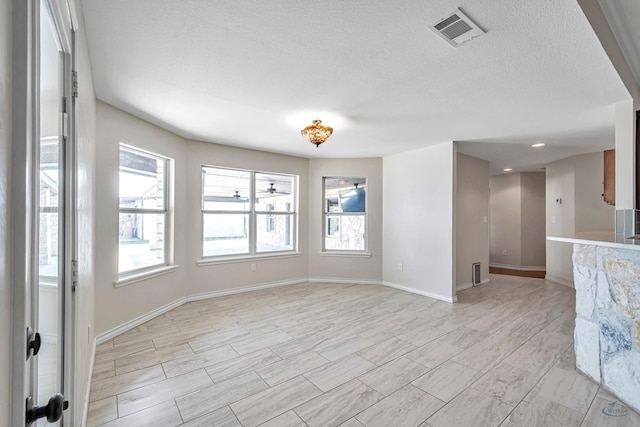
[
  {"x": 245, "y": 258},
  {"x": 138, "y": 277},
  {"x": 346, "y": 254}
]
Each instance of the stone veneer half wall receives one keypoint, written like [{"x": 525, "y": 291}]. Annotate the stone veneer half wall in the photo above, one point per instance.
[{"x": 607, "y": 332}]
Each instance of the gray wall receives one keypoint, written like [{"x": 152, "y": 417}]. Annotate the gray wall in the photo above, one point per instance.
[
  {"x": 532, "y": 212},
  {"x": 578, "y": 181},
  {"x": 506, "y": 219},
  {"x": 472, "y": 212},
  {"x": 518, "y": 220},
  {"x": 355, "y": 268}
]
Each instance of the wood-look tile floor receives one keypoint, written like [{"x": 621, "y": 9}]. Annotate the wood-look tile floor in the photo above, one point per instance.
[{"x": 354, "y": 355}]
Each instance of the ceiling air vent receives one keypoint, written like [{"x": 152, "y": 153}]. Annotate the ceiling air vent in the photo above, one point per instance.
[{"x": 456, "y": 28}]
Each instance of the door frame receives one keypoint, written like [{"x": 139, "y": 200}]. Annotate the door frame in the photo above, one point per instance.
[{"x": 24, "y": 195}]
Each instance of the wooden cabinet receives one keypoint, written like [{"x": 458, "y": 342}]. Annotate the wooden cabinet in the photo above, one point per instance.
[{"x": 609, "y": 194}]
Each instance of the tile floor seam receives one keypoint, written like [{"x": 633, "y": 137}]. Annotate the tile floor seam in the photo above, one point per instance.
[{"x": 366, "y": 304}]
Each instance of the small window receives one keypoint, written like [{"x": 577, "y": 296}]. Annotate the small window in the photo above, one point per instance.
[
  {"x": 345, "y": 213},
  {"x": 144, "y": 225}
]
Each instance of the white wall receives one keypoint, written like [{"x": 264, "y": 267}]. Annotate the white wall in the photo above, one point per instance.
[
  {"x": 115, "y": 306},
  {"x": 472, "y": 212},
  {"x": 578, "y": 181},
  {"x": 418, "y": 220},
  {"x": 214, "y": 278},
  {"x": 86, "y": 217},
  {"x": 6, "y": 312},
  {"x": 368, "y": 268}
]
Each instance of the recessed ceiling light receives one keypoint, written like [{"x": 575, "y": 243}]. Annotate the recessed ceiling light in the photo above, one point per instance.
[
  {"x": 507, "y": 169},
  {"x": 540, "y": 144}
]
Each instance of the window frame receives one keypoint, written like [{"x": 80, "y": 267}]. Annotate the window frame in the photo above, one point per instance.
[
  {"x": 168, "y": 265},
  {"x": 253, "y": 214},
  {"x": 326, "y": 216}
]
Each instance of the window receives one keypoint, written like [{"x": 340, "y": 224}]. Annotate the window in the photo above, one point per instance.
[
  {"x": 345, "y": 214},
  {"x": 247, "y": 213},
  {"x": 145, "y": 217}
]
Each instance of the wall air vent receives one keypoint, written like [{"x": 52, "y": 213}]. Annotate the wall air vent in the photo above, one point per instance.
[{"x": 456, "y": 28}]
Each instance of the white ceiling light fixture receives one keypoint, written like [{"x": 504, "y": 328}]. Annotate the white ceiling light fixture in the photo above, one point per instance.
[
  {"x": 456, "y": 28},
  {"x": 507, "y": 169},
  {"x": 538, "y": 145}
]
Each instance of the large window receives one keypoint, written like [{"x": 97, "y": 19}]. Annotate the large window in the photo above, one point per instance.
[
  {"x": 345, "y": 214},
  {"x": 145, "y": 216},
  {"x": 247, "y": 213}
]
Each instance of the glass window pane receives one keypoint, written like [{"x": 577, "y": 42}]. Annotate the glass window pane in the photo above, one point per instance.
[
  {"x": 345, "y": 194},
  {"x": 274, "y": 232},
  {"x": 346, "y": 232},
  {"x": 225, "y": 234},
  {"x": 141, "y": 241},
  {"x": 225, "y": 189},
  {"x": 141, "y": 180},
  {"x": 274, "y": 193}
]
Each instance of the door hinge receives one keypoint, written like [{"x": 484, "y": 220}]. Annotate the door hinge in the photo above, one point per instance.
[
  {"x": 74, "y": 87},
  {"x": 34, "y": 341},
  {"x": 74, "y": 275},
  {"x": 65, "y": 126}
]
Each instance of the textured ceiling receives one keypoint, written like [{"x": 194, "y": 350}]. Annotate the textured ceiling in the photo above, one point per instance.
[{"x": 233, "y": 72}]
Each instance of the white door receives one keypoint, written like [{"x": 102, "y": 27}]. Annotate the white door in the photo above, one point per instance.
[{"x": 48, "y": 227}]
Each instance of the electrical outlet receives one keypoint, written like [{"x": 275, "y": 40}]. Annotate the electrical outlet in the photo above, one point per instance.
[
  {"x": 484, "y": 219},
  {"x": 553, "y": 220},
  {"x": 400, "y": 266},
  {"x": 504, "y": 252},
  {"x": 253, "y": 266}
]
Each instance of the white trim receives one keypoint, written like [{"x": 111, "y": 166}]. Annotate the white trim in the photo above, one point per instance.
[
  {"x": 107, "y": 335},
  {"x": 344, "y": 281},
  {"x": 49, "y": 338},
  {"x": 346, "y": 254},
  {"x": 559, "y": 281},
  {"x": 87, "y": 393},
  {"x": 245, "y": 258},
  {"x": 518, "y": 267},
  {"x": 224, "y": 292},
  {"x": 138, "y": 277},
  {"x": 467, "y": 285},
  {"x": 423, "y": 293}
]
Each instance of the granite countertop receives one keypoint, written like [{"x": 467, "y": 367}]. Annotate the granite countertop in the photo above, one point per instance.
[{"x": 599, "y": 238}]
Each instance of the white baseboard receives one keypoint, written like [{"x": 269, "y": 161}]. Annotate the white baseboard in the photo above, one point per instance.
[
  {"x": 518, "y": 267},
  {"x": 463, "y": 286},
  {"x": 107, "y": 335},
  {"x": 214, "y": 294},
  {"x": 345, "y": 281},
  {"x": 559, "y": 281},
  {"x": 87, "y": 393},
  {"x": 419, "y": 292}
]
